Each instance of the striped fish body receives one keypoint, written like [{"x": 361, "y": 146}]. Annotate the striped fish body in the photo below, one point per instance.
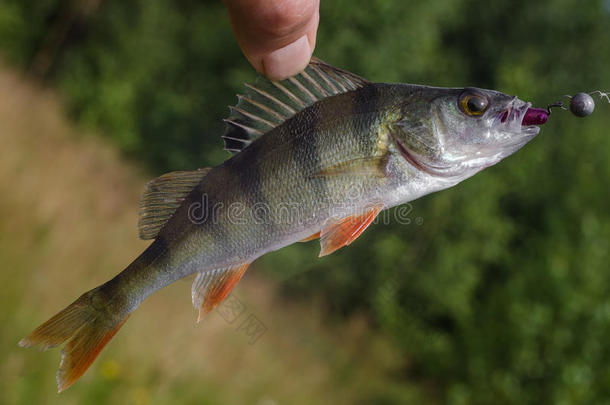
[
  {"x": 277, "y": 190},
  {"x": 282, "y": 188},
  {"x": 319, "y": 155},
  {"x": 333, "y": 160}
]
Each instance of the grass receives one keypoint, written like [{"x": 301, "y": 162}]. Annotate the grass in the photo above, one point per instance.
[{"x": 68, "y": 216}]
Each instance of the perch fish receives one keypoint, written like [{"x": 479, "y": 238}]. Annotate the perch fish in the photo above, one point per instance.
[{"x": 316, "y": 156}]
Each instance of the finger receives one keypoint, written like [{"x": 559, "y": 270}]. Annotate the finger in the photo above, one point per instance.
[{"x": 277, "y": 36}]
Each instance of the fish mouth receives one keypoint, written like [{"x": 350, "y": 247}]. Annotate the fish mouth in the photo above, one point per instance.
[
  {"x": 508, "y": 121},
  {"x": 511, "y": 121}
]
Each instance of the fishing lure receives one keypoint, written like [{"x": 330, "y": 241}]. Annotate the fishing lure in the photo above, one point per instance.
[{"x": 581, "y": 105}]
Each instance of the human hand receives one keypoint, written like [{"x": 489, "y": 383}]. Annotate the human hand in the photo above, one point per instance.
[{"x": 277, "y": 36}]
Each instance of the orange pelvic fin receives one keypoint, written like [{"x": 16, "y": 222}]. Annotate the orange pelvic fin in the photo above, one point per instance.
[
  {"x": 210, "y": 288},
  {"x": 345, "y": 231},
  {"x": 311, "y": 237},
  {"x": 87, "y": 331}
]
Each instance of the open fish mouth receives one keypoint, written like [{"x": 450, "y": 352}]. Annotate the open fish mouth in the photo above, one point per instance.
[{"x": 512, "y": 120}]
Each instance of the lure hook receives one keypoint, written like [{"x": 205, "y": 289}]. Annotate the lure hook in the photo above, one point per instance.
[
  {"x": 581, "y": 104},
  {"x": 558, "y": 104}
]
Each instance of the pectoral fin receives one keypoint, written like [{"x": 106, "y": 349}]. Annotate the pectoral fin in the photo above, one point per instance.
[
  {"x": 210, "y": 288},
  {"x": 345, "y": 231},
  {"x": 373, "y": 166}
]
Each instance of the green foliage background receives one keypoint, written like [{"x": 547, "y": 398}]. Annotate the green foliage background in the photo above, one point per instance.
[{"x": 498, "y": 290}]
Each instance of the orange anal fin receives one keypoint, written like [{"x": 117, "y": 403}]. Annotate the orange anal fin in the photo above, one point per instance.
[
  {"x": 345, "y": 231},
  {"x": 210, "y": 288},
  {"x": 311, "y": 237}
]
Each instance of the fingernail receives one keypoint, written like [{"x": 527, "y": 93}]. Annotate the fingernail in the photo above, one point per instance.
[{"x": 287, "y": 61}]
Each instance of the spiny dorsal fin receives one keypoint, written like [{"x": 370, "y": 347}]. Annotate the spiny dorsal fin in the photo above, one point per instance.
[
  {"x": 267, "y": 104},
  {"x": 162, "y": 198}
]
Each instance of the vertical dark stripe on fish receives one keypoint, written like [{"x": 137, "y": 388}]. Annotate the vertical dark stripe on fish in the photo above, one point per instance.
[
  {"x": 251, "y": 185},
  {"x": 202, "y": 210},
  {"x": 306, "y": 150},
  {"x": 155, "y": 250},
  {"x": 128, "y": 282},
  {"x": 365, "y": 100}
]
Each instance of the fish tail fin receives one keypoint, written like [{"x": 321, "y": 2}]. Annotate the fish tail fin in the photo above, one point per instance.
[{"x": 87, "y": 325}]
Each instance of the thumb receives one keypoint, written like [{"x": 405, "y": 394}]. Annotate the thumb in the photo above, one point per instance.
[{"x": 277, "y": 36}]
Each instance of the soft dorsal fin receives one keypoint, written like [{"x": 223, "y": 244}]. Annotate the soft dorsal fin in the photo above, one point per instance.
[
  {"x": 162, "y": 198},
  {"x": 267, "y": 103}
]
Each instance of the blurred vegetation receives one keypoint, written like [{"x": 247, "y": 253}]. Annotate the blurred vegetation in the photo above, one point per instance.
[{"x": 498, "y": 290}]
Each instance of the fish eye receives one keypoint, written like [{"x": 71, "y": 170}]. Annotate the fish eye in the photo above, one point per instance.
[{"x": 473, "y": 103}]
